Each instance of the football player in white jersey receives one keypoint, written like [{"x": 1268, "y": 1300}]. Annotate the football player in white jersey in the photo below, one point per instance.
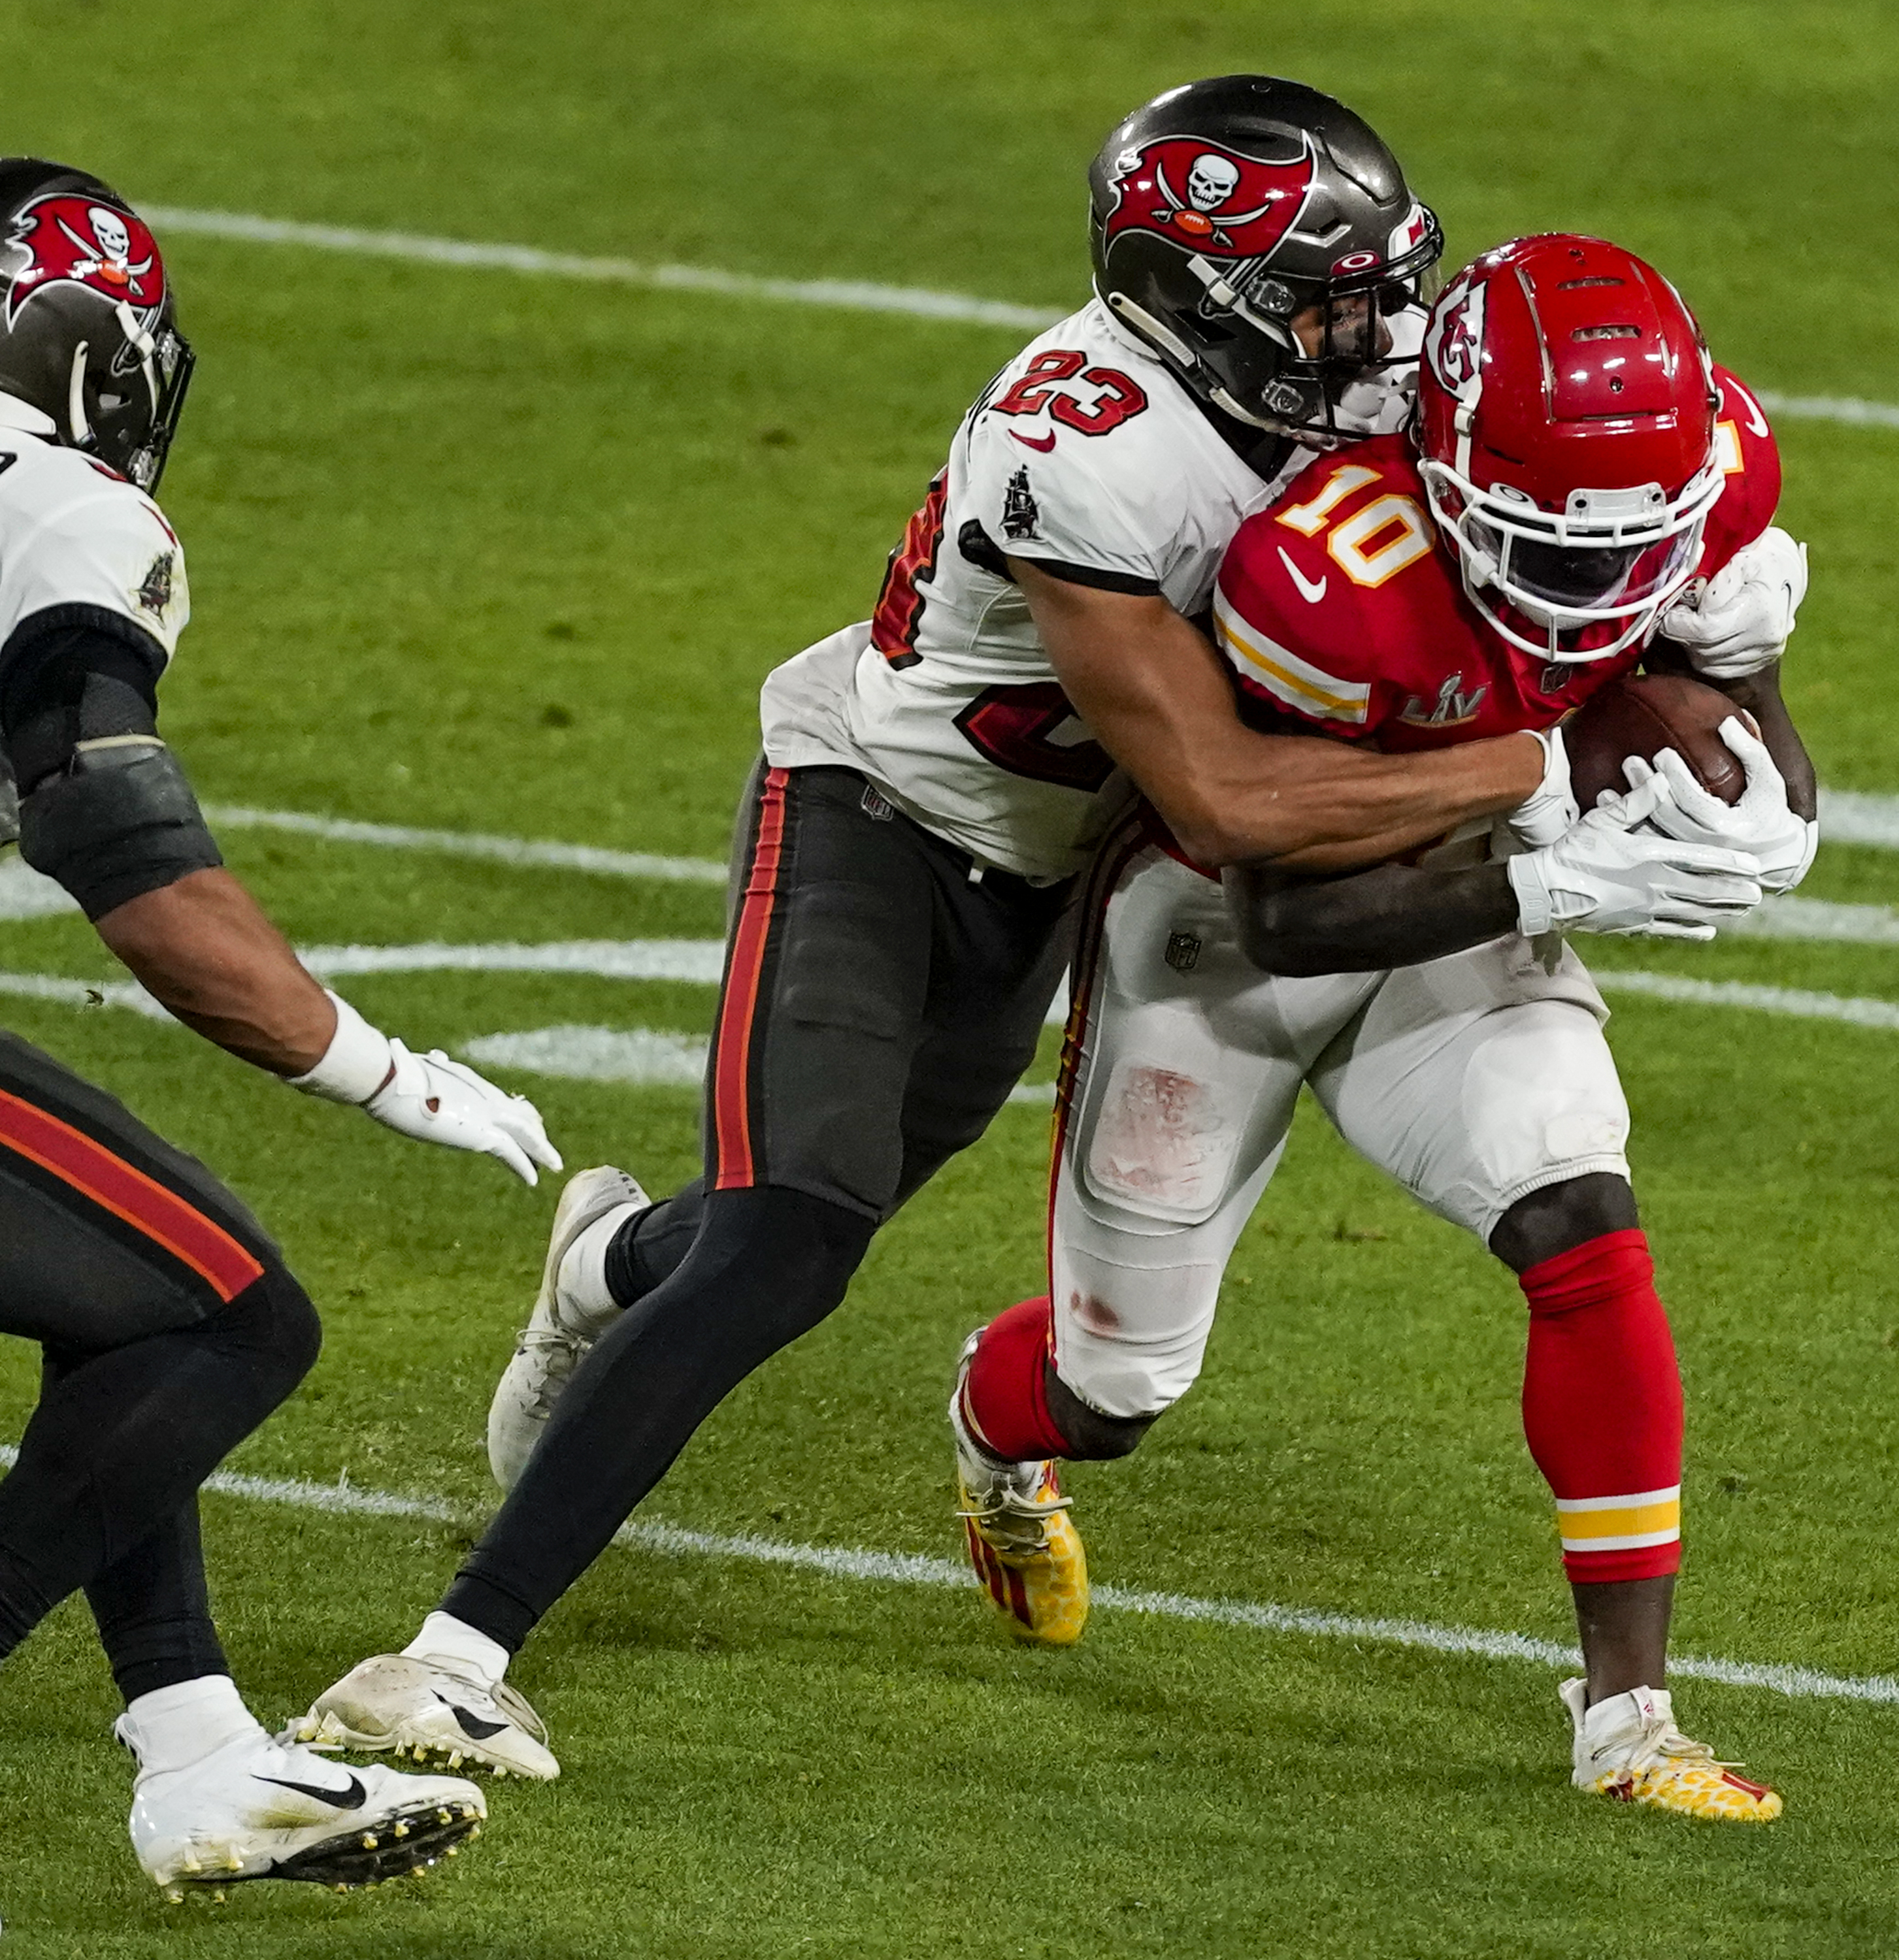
[
  {"x": 170, "y": 1326},
  {"x": 933, "y": 781}
]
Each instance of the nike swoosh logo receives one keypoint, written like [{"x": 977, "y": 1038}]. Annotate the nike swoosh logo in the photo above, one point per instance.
[
  {"x": 471, "y": 1726},
  {"x": 1044, "y": 443},
  {"x": 1309, "y": 592},
  {"x": 353, "y": 1798},
  {"x": 1756, "y": 420}
]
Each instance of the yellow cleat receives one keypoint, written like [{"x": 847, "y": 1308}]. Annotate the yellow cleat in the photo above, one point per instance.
[
  {"x": 1022, "y": 1542},
  {"x": 1628, "y": 1748},
  {"x": 1027, "y": 1552}
]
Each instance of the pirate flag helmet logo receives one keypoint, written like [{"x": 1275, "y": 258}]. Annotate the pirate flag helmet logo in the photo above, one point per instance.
[
  {"x": 1259, "y": 237},
  {"x": 88, "y": 334},
  {"x": 91, "y": 244},
  {"x": 1211, "y": 198}
]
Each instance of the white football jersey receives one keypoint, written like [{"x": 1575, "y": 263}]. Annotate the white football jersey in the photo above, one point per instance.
[
  {"x": 73, "y": 532},
  {"x": 1085, "y": 453}
]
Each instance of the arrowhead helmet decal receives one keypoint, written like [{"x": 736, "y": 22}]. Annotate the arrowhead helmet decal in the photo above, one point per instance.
[
  {"x": 79, "y": 241},
  {"x": 1206, "y": 197},
  {"x": 1453, "y": 341}
]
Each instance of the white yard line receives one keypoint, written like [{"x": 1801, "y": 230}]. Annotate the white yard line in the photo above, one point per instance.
[
  {"x": 855, "y": 295},
  {"x": 1796, "y": 918},
  {"x": 698, "y": 961},
  {"x": 596, "y": 1054},
  {"x": 1859, "y": 816},
  {"x": 473, "y": 844},
  {"x": 1847, "y": 409},
  {"x": 647, "y": 1056},
  {"x": 1795, "y": 1001},
  {"x": 909, "y": 1568}
]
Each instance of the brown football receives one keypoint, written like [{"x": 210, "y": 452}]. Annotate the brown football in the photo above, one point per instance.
[{"x": 1641, "y": 715}]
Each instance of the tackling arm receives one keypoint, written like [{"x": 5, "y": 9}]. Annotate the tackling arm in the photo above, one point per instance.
[
  {"x": 1391, "y": 915},
  {"x": 1610, "y": 873},
  {"x": 1153, "y": 691}
]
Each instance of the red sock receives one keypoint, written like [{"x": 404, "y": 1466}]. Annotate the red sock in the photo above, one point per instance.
[
  {"x": 1602, "y": 1408},
  {"x": 1005, "y": 1398}
]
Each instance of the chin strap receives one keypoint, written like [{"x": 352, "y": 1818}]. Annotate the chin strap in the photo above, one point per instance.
[{"x": 80, "y": 428}]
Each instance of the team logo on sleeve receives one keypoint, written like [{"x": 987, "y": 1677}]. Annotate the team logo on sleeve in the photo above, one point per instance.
[
  {"x": 1020, "y": 514},
  {"x": 74, "y": 241},
  {"x": 160, "y": 585},
  {"x": 1208, "y": 198}
]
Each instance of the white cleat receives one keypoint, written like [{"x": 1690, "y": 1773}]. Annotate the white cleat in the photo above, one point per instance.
[
  {"x": 256, "y": 1809},
  {"x": 427, "y": 1708},
  {"x": 560, "y": 1330}
]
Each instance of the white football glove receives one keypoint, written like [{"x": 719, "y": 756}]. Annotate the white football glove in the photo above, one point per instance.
[
  {"x": 1608, "y": 876},
  {"x": 1761, "y": 823},
  {"x": 1737, "y": 622},
  {"x": 1549, "y": 810},
  {"x": 427, "y": 1096}
]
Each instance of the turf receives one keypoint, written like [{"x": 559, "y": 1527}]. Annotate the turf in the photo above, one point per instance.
[{"x": 477, "y": 550}]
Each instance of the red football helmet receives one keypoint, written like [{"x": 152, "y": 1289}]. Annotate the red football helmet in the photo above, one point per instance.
[{"x": 1566, "y": 427}]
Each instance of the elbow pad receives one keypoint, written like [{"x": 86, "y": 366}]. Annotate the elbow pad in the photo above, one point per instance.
[{"x": 118, "y": 821}]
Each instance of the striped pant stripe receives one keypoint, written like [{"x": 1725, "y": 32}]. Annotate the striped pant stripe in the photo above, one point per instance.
[
  {"x": 738, "y": 1006},
  {"x": 169, "y": 1221}
]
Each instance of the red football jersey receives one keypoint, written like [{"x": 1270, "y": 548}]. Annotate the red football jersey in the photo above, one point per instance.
[{"x": 1340, "y": 612}]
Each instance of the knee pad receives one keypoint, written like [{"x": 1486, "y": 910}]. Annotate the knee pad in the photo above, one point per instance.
[
  {"x": 785, "y": 1257},
  {"x": 1130, "y": 1339},
  {"x": 274, "y": 1323}
]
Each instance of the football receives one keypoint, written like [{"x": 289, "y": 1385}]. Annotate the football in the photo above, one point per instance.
[{"x": 1641, "y": 715}]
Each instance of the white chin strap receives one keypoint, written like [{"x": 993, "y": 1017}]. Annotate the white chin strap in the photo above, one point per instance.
[{"x": 76, "y": 424}]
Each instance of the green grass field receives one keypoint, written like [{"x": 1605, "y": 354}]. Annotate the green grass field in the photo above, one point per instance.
[{"x": 477, "y": 551}]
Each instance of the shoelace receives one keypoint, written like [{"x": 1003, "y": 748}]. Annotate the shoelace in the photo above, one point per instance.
[
  {"x": 559, "y": 1340},
  {"x": 1660, "y": 1745},
  {"x": 507, "y": 1699},
  {"x": 1001, "y": 1506}
]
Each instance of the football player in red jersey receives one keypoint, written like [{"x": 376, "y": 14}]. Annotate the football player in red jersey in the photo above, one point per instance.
[{"x": 1583, "y": 492}]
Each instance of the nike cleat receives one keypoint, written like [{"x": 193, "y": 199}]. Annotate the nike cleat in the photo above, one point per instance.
[
  {"x": 426, "y": 1709},
  {"x": 256, "y": 1809},
  {"x": 1027, "y": 1553},
  {"x": 1628, "y": 1748},
  {"x": 560, "y": 1330}
]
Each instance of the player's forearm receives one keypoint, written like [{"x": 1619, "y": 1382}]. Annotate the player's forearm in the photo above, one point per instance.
[
  {"x": 1392, "y": 915},
  {"x": 1310, "y": 805},
  {"x": 1760, "y": 695},
  {"x": 204, "y": 949}
]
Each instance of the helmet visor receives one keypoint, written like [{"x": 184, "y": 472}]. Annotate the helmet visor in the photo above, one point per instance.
[{"x": 1601, "y": 580}]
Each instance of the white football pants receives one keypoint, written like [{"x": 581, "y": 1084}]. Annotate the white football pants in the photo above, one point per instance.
[{"x": 1473, "y": 1080}]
